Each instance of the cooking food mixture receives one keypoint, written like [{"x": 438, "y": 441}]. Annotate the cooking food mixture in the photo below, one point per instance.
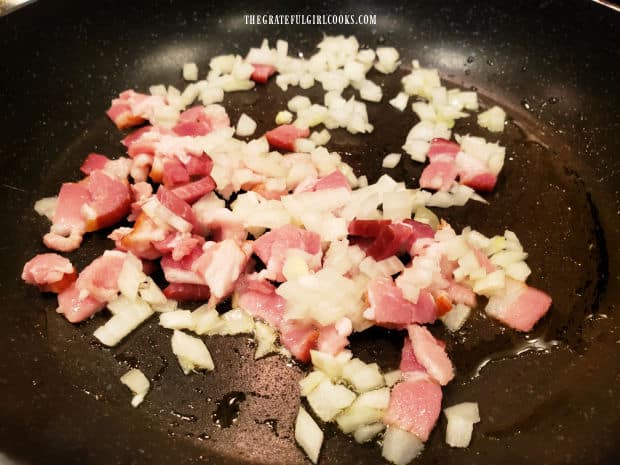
[{"x": 309, "y": 251}]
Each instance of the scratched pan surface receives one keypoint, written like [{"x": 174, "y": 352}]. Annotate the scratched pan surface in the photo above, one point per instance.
[{"x": 551, "y": 397}]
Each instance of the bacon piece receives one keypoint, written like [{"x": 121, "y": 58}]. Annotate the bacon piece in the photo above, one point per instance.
[
  {"x": 109, "y": 201},
  {"x": 121, "y": 111},
  {"x": 431, "y": 354},
  {"x": 439, "y": 175},
  {"x": 181, "y": 271},
  {"x": 220, "y": 266},
  {"x": 262, "y": 73},
  {"x": 94, "y": 161},
  {"x": 176, "y": 205},
  {"x": 443, "y": 303},
  {"x": 135, "y": 135},
  {"x": 283, "y": 137},
  {"x": 193, "y": 122},
  {"x": 482, "y": 182},
  {"x": 414, "y": 406},
  {"x": 392, "y": 239},
  {"x": 194, "y": 190},
  {"x": 474, "y": 173},
  {"x": 75, "y": 306},
  {"x": 100, "y": 278},
  {"x": 139, "y": 240},
  {"x": 49, "y": 272},
  {"x": 179, "y": 244},
  {"x": 367, "y": 228},
  {"x": 334, "y": 180},
  {"x": 332, "y": 339},
  {"x": 199, "y": 166},
  {"x": 68, "y": 224},
  {"x": 187, "y": 292},
  {"x": 519, "y": 306},
  {"x": 175, "y": 173},
  {"x": 272, "y": 248},
  {"x": 222, "y": 224},
  {"x": 442, "y": 149},
  {"x": 258, "y": 297},
  {"x": 461, "y": 294},
  {"x": 392, "y": 310},
  {"x": 299, "y": 338},
  {"x": 408, "y": 362}
]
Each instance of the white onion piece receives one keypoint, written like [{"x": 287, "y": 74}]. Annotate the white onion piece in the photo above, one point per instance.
[
  {"x": 370, "y": 91},
  {"x": 391, "y": 160},
  {"x": 505, "y": 258},
  {"x": 128, "y": 315},
  {"x": 383, "y": 268},
  {"x": 211, "y": 94},
  {"x": 236, "y": 321},
  {"x": 456, "y": 317},
  {"x": 392, "y": 377},
  {"x": 378, "y": 398},
  {"x": 299, "y": 102},
  {"x": 191, "y": 352},
  {"x": 245, "y": 126},
  {"x": 367, "y": 432},
  {"x": 284, "y": 117},
  {"x": 179, "y": 319},
  {"x": 320, "y": 138},
  {"x": 328, "y": 400},
  {"x": 491, "y": 284},
  {"x": 308, "y": 435},
  {"x": 131, "y": 277},
  {"x": 159, "y": 90},
  {"x": 356, "y": 416},
  {"x": 493, "y": 119},
  {"x": 206, "y": 320},
  {"x": 331, "y": 365},
  {"x": 362, "y": 376},
  {"x": 400, "y": 101},
  {"x": 190, "y": 72},
  {"x": 387, "y": 60},
  {"x": 265, "y": 337},
  {"x": 139, "y": 385},
  {"x": 519, "y": 271},
  {"x": 461, "y": 419},
  {"x": 46, "y": 207},
  {"x": 399, "y": 446},
  {"x": 397, "y": 205},
  {"x": 150, "y": 292},
  {"x": 362, "y": 181},
  {"x": 309, "y": 382}
]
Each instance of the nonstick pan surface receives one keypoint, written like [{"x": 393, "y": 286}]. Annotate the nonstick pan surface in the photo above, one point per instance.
[{"x": 551, "y": 397}]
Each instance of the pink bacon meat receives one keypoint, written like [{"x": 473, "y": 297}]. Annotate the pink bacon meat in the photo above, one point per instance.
[{"x": 49, "y": 272}]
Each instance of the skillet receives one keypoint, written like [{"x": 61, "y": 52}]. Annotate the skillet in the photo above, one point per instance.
[{"x": 550, "y": 397}]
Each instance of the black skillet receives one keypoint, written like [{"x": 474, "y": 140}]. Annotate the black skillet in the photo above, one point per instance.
[{"x": 548, "y": 398}]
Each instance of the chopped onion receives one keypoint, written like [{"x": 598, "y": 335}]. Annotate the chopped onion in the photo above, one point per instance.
[
  {"x": 128, "y": 315},
  {"x": 159, "y": 90},
  {"x": 400, "y": 101},
  {"x": 367, "y": 432},
  {"x": 491, "y": 284},
  {"x": 303, "y": 145},
  {"x": 299, "y": 102},
  {"x": 284, "y": 117},
  {"x": 308, "y": 435},
  {"x": 388, "y": 60},
  {"x": 356, "y": 416},
  {"x": 370, "y": 91},
  {"x": 179, "y": 319},
  {"x": 139, "y": 385},
  {"x": 392, "y": 377},
  {"x": 519, "y": 271},
  {"x": 461, "y": 419},
  {"x": 456, "y": 317},
  {"x": 397, "y": 205},
  {"x": 320, "y": 138},
  {"x": 424, "y": 215},
  {"x": 265, "y": 337},
  {"x": 236, "y": 321},
  {"x": 399, "y": 446},
  {"x": 131, "y": 277},
  {"x": 378, "y": 398},
  {"x": 506, "y": 257},
  {"x": 206, "y": 320},
  {"x": 328, "y": 400},
  {"x": 362, "y": 181},
  {"x": 46, "y": 207},
  {"x": 152, "y": 294},
  {"x": 191, "y": 352},
  {"x": 331, "y": 365},
  {"x": 391, "y": 160},
  {"x": 361, "y": 376},
  {"x": 493, "y": 119},
  {"x": 245, "y": 126},
  {"x": 308, "y": 383},
  {"x": 190, "y": 72}
]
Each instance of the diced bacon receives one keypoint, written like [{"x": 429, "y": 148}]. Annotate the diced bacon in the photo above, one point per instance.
[
  {"x": 408, "y": 362},
  {"x": 217, "y": 117},
  {"x": 482, "y": 182},
  {"x": 192, "y": 128},
  {"x": 175, "y": 173},
  {"x": 391, "y": 240},
  {"x": 176, "y": 205},
  {"x": 68, "y": 224},
  {"x": 414, "y": 406},
  {"x": 431, "y": 354},
  {"x": 144, "y": 141},
  {"x": 258, "y": 297},
  {"x": 49, "y": 272},
  {"x": 194, "y": 190},
  {"x": 334, "y": 180},
  {"x": 121, "y": 111},
  {"x": 179, "y": 244},
  {"x": 474, "y": 173},
  {"x": 135, "y": 135},
  {"x": 100, "y": 278},
  {"x": 519, "y": 306},
  {"x": 141, "y": 191},
  {"x": 109, "y": 201},
  {"x": 181, "y": 271},
  {"x": 199, "y": 166},
  {"x": 94, "y": 161},
  {"x": 117, "y": 236},
  {"x": 299, "y": 338},
  {"x": 367, "y": 228},
  {"x": 331, "y": 340},
  {"x": 262, "y": 73},
  {"x": 392, "y": 310},
  {"x": 443, "y": 303},
  {"x": 220, "y": 266},
  {"x": 272, "y": 248},
  {"x": 139, "y": 240},
  {"x": 283, "y": 137},
  {"x": 461, "y": 294},
  {"x": 418, "y": 231},
  {"x": 439, "y": 175},
  {"x": 75, "y": 306},
  {"x": 222, "y": 224},
  {"x": 442, "y": 148},
  {"x": 187, "y": 292},
  {"x": 200, "y": 120},
  {"x": 141, "y": 167}
]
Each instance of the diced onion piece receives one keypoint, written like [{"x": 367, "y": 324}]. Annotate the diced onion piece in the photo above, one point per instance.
[
  {"x": 491, "y": 284},
  {"x": 211, "y": 94},
  {"x": 190, "y": 72},
  {"x": 507, "y": 257},
  {"x": 397, "y": 205},
  {"x": 461, "y": 419},
  {"x": 309, "y": 382},
  {"x": 361, "y": 376},
  {"x": 456, "y": 317},
  {"x": 496, "y": 244},
  {"x": 303, "y": 145},
  {"x": 308, "y": 435},
  {"x": 356, "y": 416},
  {"x": 399, "y": 446},
  {"x": 367, "y": 432},
  {"x": 400, "y": 101},
  {"x": 159, "y": 90},
  {"x": 519, "y": 271},
  {"x": 391, "y": 160},
  {"x": 388, "y": 60},
  {"x": 127, "y": 316},
  {"x": 362, "y": 181},
  {"x": 138, "y": 384},
  {"x": 131, "y": 277},
  {"x": 493, "y": 119},
  {"x": 321, "y": 137},
  {"x": 150, "y": 292},
  {"x": 206, "y": 320},
  {"x": 236, "y": 321},
  {"x": 370, "y": 91},
  {"x": 299, "y": 102},
  {"x": 178, "y": 319},
  {"x": 328, "y": 400},
  {"x": 245, "y": 126},
  {"x": 46, "y": 207},
  {"x": 378, "y": 398},
  {"x": 295, "y": 267},
  {"x": 191, "y": 352},
  {"x": 424, "y": 215},
  {"x": 265, "y": 337},
  {"x": 392, "y": 377},
  {"x": 331, "y": 365},
  {"x": 284, "y": 117}
]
